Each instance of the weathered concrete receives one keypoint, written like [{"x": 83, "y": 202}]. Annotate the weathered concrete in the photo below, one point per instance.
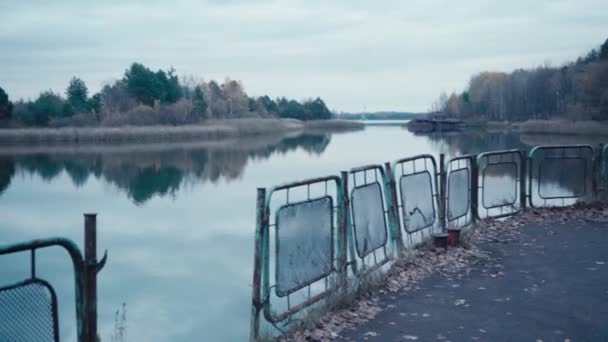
[{"x": 550, "y": 283}]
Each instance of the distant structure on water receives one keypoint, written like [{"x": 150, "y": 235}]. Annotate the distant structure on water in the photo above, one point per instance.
[{"x": 435, "y": 122}]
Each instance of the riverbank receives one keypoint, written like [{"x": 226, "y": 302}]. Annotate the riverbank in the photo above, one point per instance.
[
  {"x": 211, "y": 130},
  {"x": 565, "y": 127}
]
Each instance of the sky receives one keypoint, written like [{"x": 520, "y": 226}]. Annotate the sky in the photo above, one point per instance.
[{"x": 357, "y": 55}]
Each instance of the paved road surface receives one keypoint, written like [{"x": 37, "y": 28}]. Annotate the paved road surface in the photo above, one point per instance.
[{"x": 549, "y": 284}]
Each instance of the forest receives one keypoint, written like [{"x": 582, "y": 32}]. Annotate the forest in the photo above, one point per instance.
[
  {"x": 146, "y": 97},
  {"x": 575, "y": 91}
]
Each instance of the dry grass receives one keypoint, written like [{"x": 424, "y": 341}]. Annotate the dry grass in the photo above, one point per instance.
[
  {"x": 211, "y": 130},
  {"x": 333, "y": 125},
  {"x": 562, "y": 127}
]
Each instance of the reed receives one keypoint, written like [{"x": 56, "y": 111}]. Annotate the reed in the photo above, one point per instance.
[{"x": 210, "y": 130}]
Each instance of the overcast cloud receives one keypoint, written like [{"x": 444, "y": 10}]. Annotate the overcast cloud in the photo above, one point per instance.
[{"x": 374, "y": 55}]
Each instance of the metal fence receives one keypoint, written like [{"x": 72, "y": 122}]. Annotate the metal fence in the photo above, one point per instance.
[
  {"x": 327, "y": 239},
  {"x": 298, "y": 265},
  {"x": 560, "y": 175},
  {"x": 415, "y": 199},
  {"x": 499, "y": 181},
  {"x": 28, "y": 308},
  {"x": 371, "y": 223}
]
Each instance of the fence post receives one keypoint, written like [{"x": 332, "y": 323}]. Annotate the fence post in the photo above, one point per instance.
[
  {"x": 90, "y": 276},
  {"x": 597, "y": 167},
  {"x": 393, "y": 209},
  {"x": 523, "y": 179},
  {"x": 601, "y": 170},
  {"x": 343, "y": 212},
  {"x": 474, "y": 188},
  {"x": 442, "y": 192},
  {"x": 256, "y": 304}
]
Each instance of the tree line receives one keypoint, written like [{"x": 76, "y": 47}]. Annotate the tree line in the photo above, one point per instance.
[
  {"x": 146, "y": 97},
  {"x": 577, "y": 91}
]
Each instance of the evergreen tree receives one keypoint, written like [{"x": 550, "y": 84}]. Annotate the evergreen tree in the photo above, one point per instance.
[
  {"x": 77, "y": 97},
  {"x": 6, "y": 107},
  {"x": 199, "y": 109},
  {"x": 604, "y": 50}
]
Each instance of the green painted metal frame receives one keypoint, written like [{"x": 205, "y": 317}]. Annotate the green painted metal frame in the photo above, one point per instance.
[
  {"x": 435, "y": 188},
  {"x": 392, "y": 227},
  {"x": 261, "y": 288},
  {"x": 471, "y": 162},
  {"x": 78, "y": 266},
  {"x": 520, "y": 176},
  {"x": 531, "y": 170}
]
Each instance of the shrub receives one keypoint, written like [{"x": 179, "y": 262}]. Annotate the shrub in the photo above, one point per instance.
[
  {"x": 178, "y": 113},
  {"x": 139, "y": 116}
]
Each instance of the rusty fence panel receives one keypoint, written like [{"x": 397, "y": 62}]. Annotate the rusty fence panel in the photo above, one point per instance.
[
  {"x": 416, "y": 198},
  {"x": 499, "y": 183},
  {"x": 560, "y": 175},
  {"x": 300, "y": 252},
  {"x": 459, "y": 171},
  {"x": 373, "y": 230},
  {"x": 28, "y": 308}
]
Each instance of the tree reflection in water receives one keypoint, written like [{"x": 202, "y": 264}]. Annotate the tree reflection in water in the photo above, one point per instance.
[{"x": 145, "y": 171}]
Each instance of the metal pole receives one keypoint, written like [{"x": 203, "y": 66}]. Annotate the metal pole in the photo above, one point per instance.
[
  {"x": 523, "y": 178},
  {"x": 90, "y": 266},
  {"x": 442, "y": 192},
  {"x": 601, "y": 182},
  {"x": 343, "y": 212},
  {"x": 256, "y": 305},
  {"x": 596, "y": 178},
  {"x": 474, "y": 189},
  {"x": 393, "y": 209}
]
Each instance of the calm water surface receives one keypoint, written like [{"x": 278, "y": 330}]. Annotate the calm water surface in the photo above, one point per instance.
[{"x": 178, "y": 220}]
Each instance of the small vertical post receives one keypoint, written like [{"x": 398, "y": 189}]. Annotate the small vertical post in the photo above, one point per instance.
[
  {"x": 442, "y": 192},
  {"x": 393, "y": 209},
  {"x": 523, "y": 179},
  {"x": 343, "y": 212},
  {"x": 601, "y": 182},
  {"x": 90, "y": 272},
  {"x": 474, "y": 189},
  {"x": 256, "y": 303},
  {"x": 596, "y": 174}
]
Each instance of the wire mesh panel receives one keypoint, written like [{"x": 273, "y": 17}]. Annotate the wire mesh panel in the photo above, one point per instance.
[
  {"x": 304, "y": 244},
  {"x": 499, "y": 183},
  {"x": 417, "y": 196},
  {"x": 459, "y": 191},
  {"x": 369, "y": 218},
  {"x": 28, "y": 312},
  {"x": 560, "y": 175},
  {"x": 300, "y": 240},
  {"x": 29, "y": 308}
]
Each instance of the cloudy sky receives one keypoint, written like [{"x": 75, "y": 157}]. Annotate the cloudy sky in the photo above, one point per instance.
[{"x": 357, "y": 55}]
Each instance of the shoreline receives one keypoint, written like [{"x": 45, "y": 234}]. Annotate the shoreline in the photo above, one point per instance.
[
  {"x": 557, "y": 127},
  {"x": 211, "y": 130}
]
